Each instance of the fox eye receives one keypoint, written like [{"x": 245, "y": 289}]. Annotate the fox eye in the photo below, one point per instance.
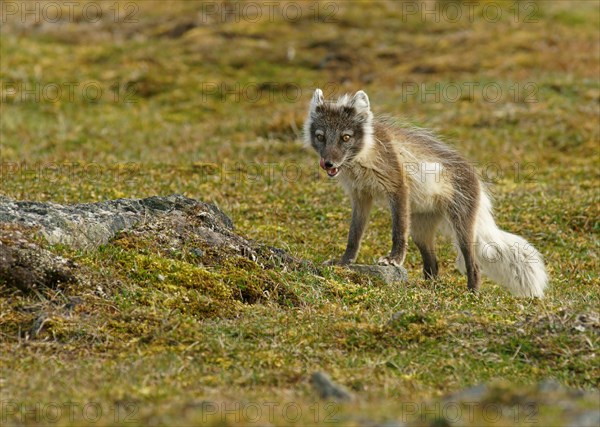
[
  {"x": 320, "y": 137},
  {"x": 346, "y": 138}
]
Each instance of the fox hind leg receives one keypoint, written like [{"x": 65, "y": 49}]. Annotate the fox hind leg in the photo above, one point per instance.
[
  {"x": 464, "y": 232},
  {"x": 423, "y": 228}
]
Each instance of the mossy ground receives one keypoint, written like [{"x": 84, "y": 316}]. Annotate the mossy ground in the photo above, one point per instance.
[{"x": 158, "y": 338}]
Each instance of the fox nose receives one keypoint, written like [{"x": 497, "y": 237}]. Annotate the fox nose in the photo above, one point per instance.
[{"x": 326, "y": 164}]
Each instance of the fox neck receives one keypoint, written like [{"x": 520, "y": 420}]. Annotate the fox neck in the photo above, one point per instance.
[
  {"x": 367, "y": 152},
  {"x": 377, "y": 145}
]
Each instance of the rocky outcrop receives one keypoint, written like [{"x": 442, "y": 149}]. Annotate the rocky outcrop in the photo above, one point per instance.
[
  {"x": 171, "y": 224},
  {"x": 88, "y": 225}
]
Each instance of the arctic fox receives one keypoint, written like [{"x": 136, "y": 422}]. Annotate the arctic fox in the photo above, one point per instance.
[{"x": 427, "y": 185}]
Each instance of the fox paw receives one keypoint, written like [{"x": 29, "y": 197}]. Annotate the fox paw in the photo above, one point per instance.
[{"x": 388, "y": 260}]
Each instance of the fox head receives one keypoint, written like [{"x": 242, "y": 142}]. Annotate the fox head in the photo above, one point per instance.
[{"x": 339, "y": 130}]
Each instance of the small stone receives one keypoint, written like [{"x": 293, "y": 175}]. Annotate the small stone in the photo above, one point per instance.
[
  {"x": 398, "y": 315},
  {"x": 327, "y": 389},
  {"x": 388, "y": 273},
  {"x": 549, "y": 385},
  {"x": 197, "y": 252},
  {"x": 471, "y": 394},
  {"x": 161, "y": 278},
  {"x": 589, "y": 418},
  {"x": 391, "y": 423}
]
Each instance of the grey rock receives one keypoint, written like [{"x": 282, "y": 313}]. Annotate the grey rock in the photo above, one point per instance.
[
  {"x": 172, "y": 223},
  {"x": 586, "y": 419},
  {"x": 89, "y": 225},
  {"x": 388, "y": 273},
  {"x": 471, "y": 394},
  {"x": 549, "y": 385},
  {"x": 390, "y": 423},
  {"x": 197, "y": 252},
  {"x": 328, "y": 390}
]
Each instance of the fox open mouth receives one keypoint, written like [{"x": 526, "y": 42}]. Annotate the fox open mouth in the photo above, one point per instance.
[{"x": 331, "y": 171}]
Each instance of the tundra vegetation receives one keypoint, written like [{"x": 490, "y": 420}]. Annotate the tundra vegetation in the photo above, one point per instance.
[{"x": 156, "y": 98}]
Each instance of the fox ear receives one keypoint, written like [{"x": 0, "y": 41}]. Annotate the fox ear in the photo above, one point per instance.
[
  {"x": 317, "y": 99},
  {"x": 360, "y": 101}
]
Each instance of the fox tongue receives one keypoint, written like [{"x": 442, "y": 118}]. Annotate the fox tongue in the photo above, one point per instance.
[{"x": 330, "y": 171}]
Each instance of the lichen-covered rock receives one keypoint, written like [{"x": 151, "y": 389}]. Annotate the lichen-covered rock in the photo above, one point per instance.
[
  {"x": 88, "y": 225},
  {"x": 174, "y": 226}
]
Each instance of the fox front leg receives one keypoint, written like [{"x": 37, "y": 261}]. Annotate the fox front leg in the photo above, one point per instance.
[
  {"x": 400, "y": 228},
  {"x": 361, "y": 207}
]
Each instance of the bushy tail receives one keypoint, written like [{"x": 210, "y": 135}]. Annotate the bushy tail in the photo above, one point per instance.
[{"x": 506, "y": 258}]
